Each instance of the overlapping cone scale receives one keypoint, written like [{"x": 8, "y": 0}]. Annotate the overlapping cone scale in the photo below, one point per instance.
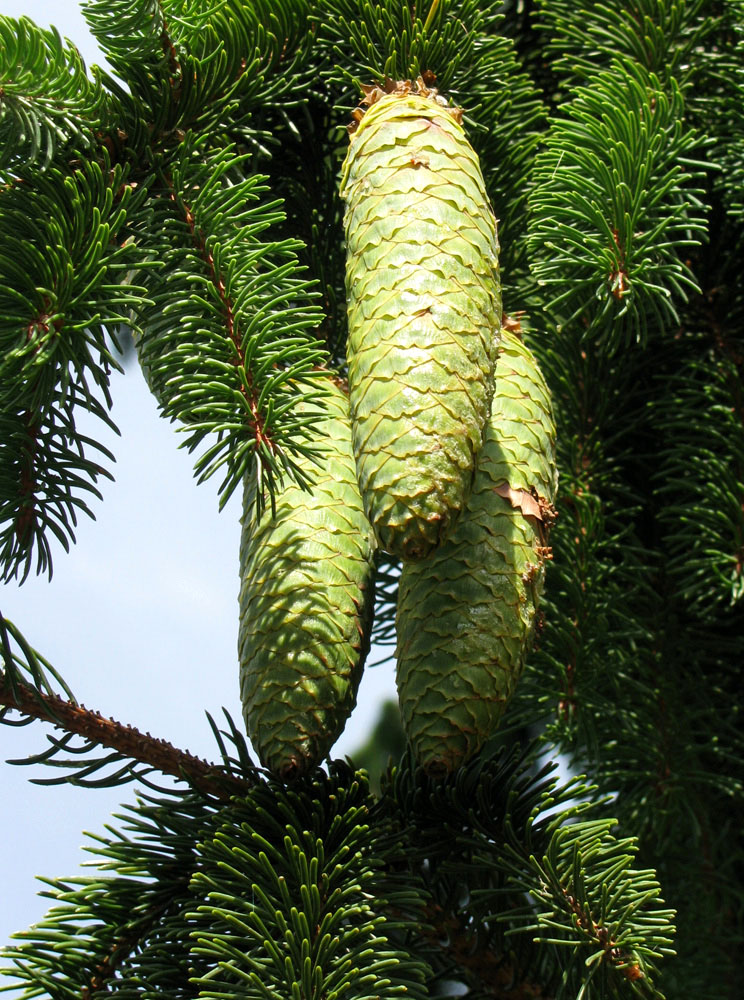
[
  {"x": 423, "y": 300},
  {"x": 306, "y": 602},
  {"x": 466, "y": 615}
]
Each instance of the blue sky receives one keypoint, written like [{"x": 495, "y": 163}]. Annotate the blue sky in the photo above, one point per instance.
[{"x": 140, "y": 618}]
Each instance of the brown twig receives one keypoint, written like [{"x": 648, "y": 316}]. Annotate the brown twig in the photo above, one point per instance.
[{"x": 127, "y": 740}]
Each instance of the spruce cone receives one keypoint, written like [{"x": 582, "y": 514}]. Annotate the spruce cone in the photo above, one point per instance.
[
  {"x": 306, "y": 602},
  {"x": 423, "y": 301},
  {"x": 467, "y": 614}
]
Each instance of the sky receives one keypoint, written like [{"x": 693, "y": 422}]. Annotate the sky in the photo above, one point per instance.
[{"x": 140, "y": 618}]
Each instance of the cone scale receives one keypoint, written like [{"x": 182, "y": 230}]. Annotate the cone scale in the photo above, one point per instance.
[
  {"x": 466, "y": 615},
  {"x": 423, "y": 300},
  {"x": 306, "y": 602}
]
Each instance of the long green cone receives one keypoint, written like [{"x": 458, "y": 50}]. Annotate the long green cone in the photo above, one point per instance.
[
  {"x": 306, "y": 602},
  {"x": 423, "y": 301},
  {"x": 466, "y": 615}
]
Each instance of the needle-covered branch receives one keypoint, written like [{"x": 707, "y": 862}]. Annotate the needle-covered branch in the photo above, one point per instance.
[
  {"x": 46, "y": 98},
  {"x": 67, "y": 269},
  {"x": 228, "y": 344},
  {"x": 616, "y": 206},
  {"x": 135, "y": 754},
  {"x": 199, "y": 65}
]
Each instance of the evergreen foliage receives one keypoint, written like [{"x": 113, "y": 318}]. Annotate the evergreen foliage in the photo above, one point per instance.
[
  {"x": 192, "y": 197},
  {"x": 47, "y": 95},
  {"x": 64, "y": 256},
  {"x": 612, "y": 208}
]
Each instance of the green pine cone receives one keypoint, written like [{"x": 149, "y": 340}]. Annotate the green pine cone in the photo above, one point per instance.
[
  {"x": 423, "y": 300},
  {"x": 306, "y": 602},
  {"x": 467, "y": 614}
]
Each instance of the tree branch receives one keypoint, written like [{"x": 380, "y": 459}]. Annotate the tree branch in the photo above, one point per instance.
[{"x": 125, "y": 739}]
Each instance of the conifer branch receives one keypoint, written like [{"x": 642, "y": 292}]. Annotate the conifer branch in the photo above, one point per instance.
[
  {"x": 121, "y": 921},
  {"x": 246, "y": 388},
  {"x": 229, "y": 346},
  {"x": 107, "y": 967},
  {"x": 128, "y": 741}
]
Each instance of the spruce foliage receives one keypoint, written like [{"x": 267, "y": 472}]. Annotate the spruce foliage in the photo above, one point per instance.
[{"x": 192, "y": 197}]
